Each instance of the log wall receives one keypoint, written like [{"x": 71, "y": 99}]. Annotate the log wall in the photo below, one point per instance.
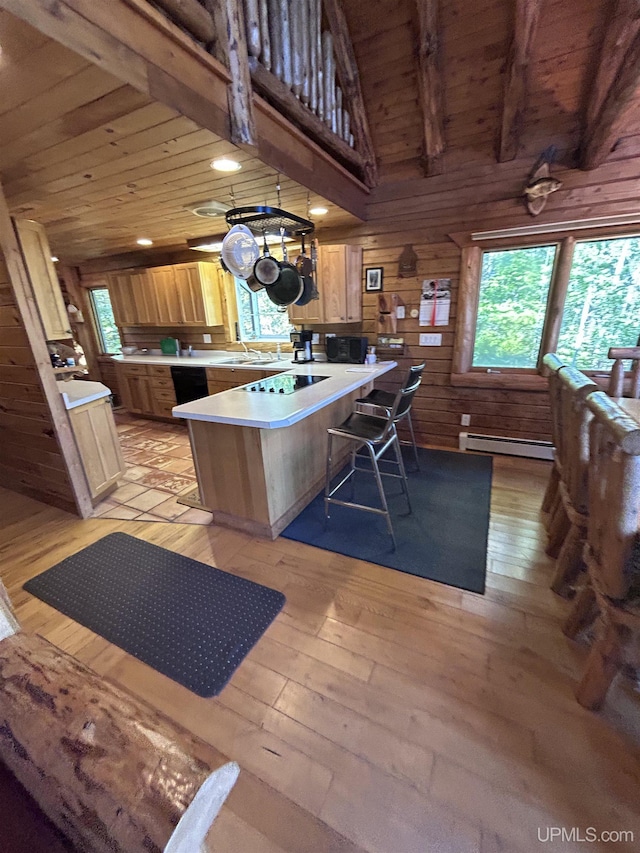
[{"x": 30, "y": 458}]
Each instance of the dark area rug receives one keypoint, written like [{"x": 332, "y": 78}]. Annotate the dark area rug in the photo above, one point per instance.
[
  {"x": 187, "y": 620},
  {"x": 444, "y": 539}
]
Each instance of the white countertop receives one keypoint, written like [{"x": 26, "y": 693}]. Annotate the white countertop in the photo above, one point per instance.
[
  {"x": 271, "y": 411},
  {"x": 214, "y": 358},
  {"x": 77, "y": 392}
]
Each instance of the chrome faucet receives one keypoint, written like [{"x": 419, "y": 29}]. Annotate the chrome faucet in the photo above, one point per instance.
[{"x": 246, "y": 351}]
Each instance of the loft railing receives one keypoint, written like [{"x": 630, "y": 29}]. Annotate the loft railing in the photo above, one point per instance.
[{"x": 292, "y": 62}]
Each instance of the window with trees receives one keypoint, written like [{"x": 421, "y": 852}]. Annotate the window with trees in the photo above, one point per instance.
[
  {"x": 108, "y": 334},
  {"x": 259, "y": 319},
  {"x": 602, "y": 306},
  {"x": 514, "y": 287},
  {"x": 576, "y": 297}
]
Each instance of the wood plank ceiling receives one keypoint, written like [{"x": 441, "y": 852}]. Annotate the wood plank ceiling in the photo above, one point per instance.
[
  {"x": 474, "y": 42},
  {"x": 99, "y": 164}
]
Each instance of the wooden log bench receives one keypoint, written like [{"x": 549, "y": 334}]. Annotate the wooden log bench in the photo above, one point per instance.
[{"x": 113, "y": 774}]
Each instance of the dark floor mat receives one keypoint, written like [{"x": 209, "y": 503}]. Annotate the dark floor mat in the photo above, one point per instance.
[
  {"x": 189, "y": 621},
  {"x": 444, "y": 538}
]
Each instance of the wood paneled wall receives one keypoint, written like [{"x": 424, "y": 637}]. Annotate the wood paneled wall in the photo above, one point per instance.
[
  {"x": 30, "y": 458},
  {"x": 423, "y": 213}
]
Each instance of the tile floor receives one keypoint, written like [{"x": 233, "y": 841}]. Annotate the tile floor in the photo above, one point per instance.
[{"x": 159, "y": 471}]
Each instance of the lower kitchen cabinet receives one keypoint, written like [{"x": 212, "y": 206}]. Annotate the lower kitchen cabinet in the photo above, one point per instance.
[
  {"x": 95, "y": 433},
  {"x": 146, "y": 389},
  {"x": 223, "y": 378}
]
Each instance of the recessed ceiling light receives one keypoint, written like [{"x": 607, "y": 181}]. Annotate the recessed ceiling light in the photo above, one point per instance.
[
  {"x": 318, "y": 211},
  {"x": 224, "y": 164},
  {"x": 144, "y": 241},
  {"x": 55, "y": 259}
]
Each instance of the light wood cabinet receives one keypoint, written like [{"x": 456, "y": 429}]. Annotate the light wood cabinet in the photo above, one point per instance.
[
  {"x": 340, "y": 285},
  {"x": 178, "y": 295},
  {"x": 46, "y": 288},
  {"x": 223, "y": 378},
  {"x": 168, "y": 304},
  {"x": 146, "y": 389},
  {"x": 95, "y": 433},
  {"x": 122, "y": 300}
]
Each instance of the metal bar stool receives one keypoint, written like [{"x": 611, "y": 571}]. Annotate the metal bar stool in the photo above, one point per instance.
[
  {"x": 386, "y": 398},
  {"x": 373, "y": 427}
]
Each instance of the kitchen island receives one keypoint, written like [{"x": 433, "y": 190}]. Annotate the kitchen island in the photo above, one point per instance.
[{"x": 260, "y": 454}]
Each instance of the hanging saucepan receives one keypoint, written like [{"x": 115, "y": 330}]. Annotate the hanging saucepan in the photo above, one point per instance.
[
  {"x": 289, "y": 285},
  {"x": 266, "y": 269},
  {"x": 304, "y": 265}
]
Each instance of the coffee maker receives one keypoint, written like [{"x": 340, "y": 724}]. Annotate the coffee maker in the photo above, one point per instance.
[{"x": 302, "y": 352}]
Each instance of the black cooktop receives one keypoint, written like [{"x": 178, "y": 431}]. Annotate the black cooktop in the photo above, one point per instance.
[{"x": 284, "y": 384}]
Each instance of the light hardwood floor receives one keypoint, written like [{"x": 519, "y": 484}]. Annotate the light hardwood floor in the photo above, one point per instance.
[{"x": 381, "y": 712}]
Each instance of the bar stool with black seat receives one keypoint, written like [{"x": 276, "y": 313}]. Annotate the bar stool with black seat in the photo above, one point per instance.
[
  {"x": 373, "y": 427},
  {"x": 385, "y": 398}
]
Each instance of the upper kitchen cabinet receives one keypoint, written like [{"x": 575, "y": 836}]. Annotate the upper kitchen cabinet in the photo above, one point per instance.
[
  {"x": 339, "y": 271},
  {"x": 178, "y": 295},
  {"x": 198, "y": 294},
  {"x": 46, "y": 288}
]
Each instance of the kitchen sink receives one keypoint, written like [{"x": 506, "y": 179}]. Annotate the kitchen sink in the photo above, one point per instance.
[{"x": 237, "y": 361}]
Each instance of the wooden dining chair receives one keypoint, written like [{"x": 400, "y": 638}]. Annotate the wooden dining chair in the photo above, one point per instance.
[
  {"x": 552, "y": 496},
  {"x": 616, "y": 381},
  {"x": 612, "y": 550},
  {"x": 567, "y": 539}
]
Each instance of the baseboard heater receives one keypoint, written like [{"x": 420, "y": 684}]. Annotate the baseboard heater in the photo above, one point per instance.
[{"x": 509, "y": 446}]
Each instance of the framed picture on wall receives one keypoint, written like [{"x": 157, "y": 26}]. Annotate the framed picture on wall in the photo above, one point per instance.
[{"x": 373, "y": 279}]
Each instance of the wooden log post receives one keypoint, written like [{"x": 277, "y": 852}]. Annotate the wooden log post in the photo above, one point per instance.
[
  {"x": 114, "y": 775},
  {"x": 231, "y": 49},
  {"x": 616, "y": 380}
]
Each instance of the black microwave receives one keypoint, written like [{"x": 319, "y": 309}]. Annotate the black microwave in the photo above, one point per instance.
[{"x": 346, "y": 350}]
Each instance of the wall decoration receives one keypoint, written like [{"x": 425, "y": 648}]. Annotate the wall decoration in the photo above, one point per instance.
[
  {"x": 540, "y": 184},
  {"x": 373, "y": 279},
  {"x": 435, "y": 302},
  {"x": 408, "y": 263}
]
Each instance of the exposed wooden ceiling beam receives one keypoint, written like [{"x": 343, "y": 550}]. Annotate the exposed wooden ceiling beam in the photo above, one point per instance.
[
  {"x": 615, "y": 93},
  {"x": 230, "y": 48},
  {"x": 349, "y": 77},
  {"x": 430, "y": 83},
  {"x": 516, "y": 87},
  {"x": 132, "y": 41}
]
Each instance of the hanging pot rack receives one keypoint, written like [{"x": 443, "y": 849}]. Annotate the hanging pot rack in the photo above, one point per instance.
[{"x": 262, "y": 219}]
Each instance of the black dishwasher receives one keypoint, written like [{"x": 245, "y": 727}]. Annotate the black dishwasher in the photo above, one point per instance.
[{"x": 190, "y": 383}]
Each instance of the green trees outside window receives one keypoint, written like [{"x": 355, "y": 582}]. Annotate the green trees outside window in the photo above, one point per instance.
[
  {"x": 514, "y": 286},
  {"x": 107, "y": 330},
  {"x": 602, "y": 307},
  {"x": 258, "y": 317},
  {"x": 601, "y": 310}
]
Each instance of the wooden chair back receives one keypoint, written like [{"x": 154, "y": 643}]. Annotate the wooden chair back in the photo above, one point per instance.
[
  {"x": 553, "y": 364},
  {"x": 614, "y": 494},
  {"x": 574, "y": 439},
  {"x": 616, "y": 381}
]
